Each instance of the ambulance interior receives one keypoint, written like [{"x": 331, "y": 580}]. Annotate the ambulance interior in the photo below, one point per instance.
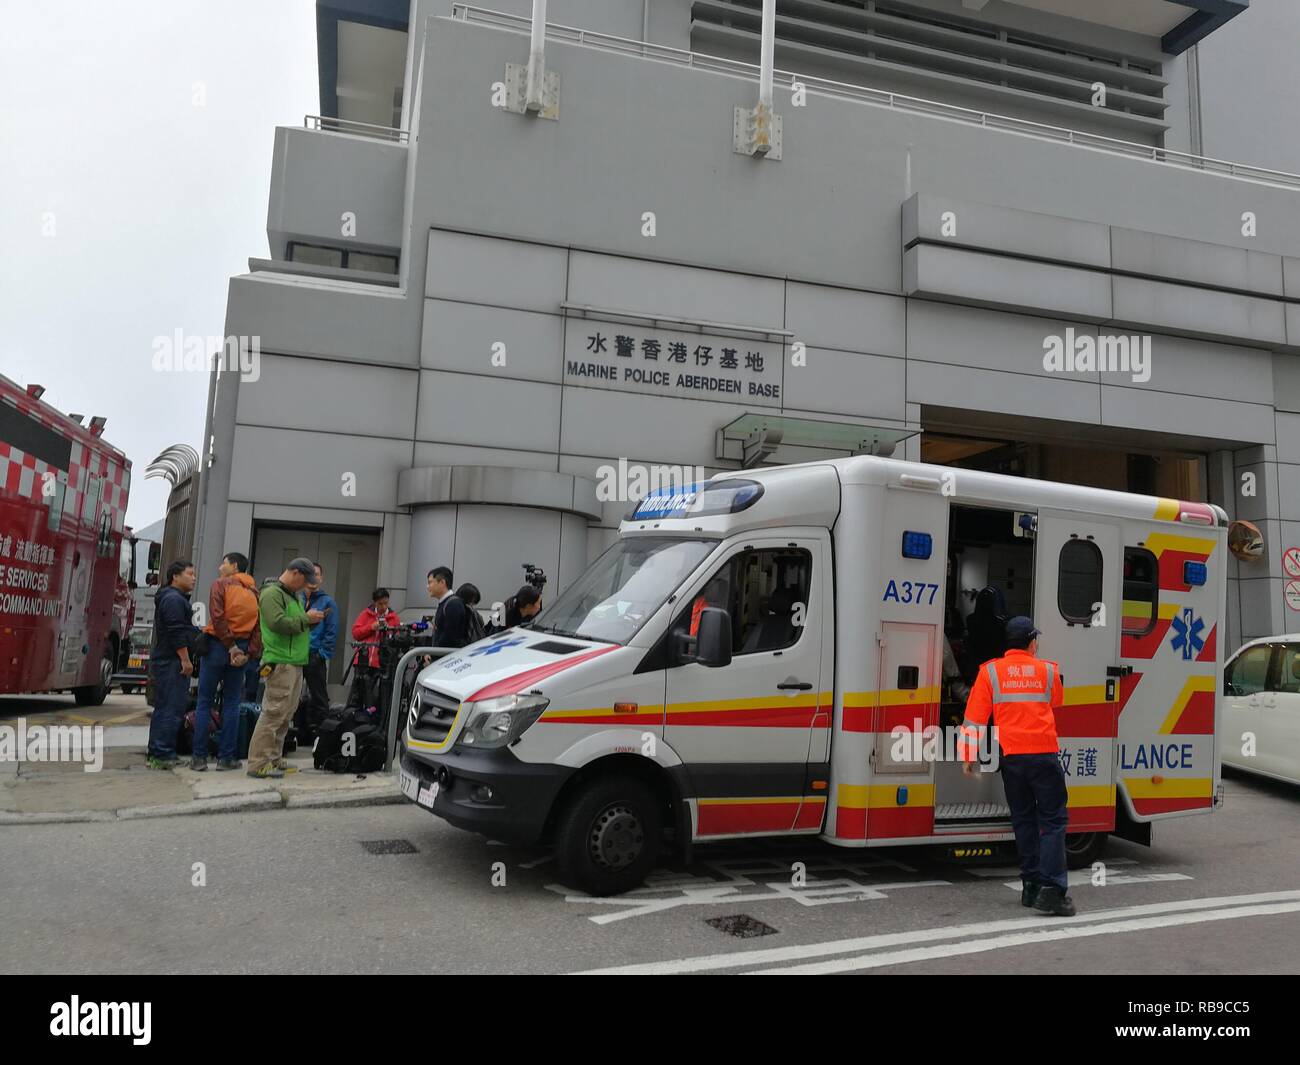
[{"x": 990, "y": 578}]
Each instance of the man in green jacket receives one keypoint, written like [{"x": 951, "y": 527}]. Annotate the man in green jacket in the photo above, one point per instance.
[{"x": 286, "y": 643}]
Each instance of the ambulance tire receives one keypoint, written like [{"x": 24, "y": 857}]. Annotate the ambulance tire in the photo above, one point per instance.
[
  {"x": 608, "y": 836},
  {"x": 1083, "y": 848}
]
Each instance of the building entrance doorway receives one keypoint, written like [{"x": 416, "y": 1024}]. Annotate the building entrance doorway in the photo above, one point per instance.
[
  {"x": 350, "y": 561},
  {"x": 1170, "y": 474}
]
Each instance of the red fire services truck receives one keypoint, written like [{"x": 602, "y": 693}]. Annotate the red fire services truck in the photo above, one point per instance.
[{"x": 65, "y": 553}]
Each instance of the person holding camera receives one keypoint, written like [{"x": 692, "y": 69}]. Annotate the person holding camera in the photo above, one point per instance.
[
  {"x": 521, "y": 607},
  {"x": 371, "y": 623}
]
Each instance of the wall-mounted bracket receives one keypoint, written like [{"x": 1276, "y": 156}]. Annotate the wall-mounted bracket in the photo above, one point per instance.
[{"x": 517, "y": 92}]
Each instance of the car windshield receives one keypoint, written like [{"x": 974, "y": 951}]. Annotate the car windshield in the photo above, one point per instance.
[{"x": 623, "y": 588}]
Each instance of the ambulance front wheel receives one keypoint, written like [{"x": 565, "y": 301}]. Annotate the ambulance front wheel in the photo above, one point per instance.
[
  {"x": 607, "y": 838},
  {"x": 1083, "y": 848}
]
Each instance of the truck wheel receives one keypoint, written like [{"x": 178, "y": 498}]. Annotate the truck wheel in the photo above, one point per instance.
[
  {"x": 1083, "y": 848},
  {"x": 95, "y": 694},
  {"x": 607, "y": 838}
]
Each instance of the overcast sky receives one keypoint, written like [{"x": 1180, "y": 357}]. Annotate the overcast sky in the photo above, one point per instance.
[{"x": 142, "y": 131}]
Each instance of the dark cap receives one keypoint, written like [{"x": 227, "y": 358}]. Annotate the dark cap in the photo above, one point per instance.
[
  {"x": 305, "y": 566},
  {"x": 1021, "y": 629}
]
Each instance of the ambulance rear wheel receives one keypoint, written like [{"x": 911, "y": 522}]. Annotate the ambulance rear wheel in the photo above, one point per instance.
[
  {"x": 1083, "y": 848},
  {"x": 607, "y": 839}
]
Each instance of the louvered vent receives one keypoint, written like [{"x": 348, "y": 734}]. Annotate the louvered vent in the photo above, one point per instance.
[{"x": 910, "y": 50}]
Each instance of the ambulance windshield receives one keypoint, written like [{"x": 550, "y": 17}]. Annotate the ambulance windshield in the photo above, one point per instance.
[{"x": 623, "y": 588}]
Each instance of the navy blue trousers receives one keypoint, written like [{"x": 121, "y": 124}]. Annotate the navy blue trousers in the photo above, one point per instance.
[{"x": 1035, "y": 787}]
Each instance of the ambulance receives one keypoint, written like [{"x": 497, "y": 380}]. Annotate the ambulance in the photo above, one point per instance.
[{"x": 786, "y": 652}]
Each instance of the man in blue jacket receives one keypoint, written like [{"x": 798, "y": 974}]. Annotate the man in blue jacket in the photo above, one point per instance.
[
  {"x": 169, "y": 662},
  {"x": 316, "y": 704}
]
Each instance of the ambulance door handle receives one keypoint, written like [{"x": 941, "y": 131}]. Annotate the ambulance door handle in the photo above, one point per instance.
[{"x": 794, "y": 685}]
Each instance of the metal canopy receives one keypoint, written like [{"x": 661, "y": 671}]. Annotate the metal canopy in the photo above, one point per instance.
[
  {"x": 760, "y": 434},
  {"x": 1178, "y": 24}
]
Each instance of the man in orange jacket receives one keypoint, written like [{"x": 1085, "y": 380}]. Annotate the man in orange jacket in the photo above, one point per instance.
[
  {"x": 233, "y": 638},
  {"x": 1020, "y": 691}
]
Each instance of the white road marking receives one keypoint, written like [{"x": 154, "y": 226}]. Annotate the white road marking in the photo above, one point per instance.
[
  {"x": 1083, "y": 878},
  {"x": 1045, "y": 935},
  {"x": 1084, "y": 922},
  {"x": 815, "y": 893},
  {"x": 996, "y": 872}
]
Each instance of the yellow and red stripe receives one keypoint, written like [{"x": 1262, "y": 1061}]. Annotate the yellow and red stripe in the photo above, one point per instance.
[
  {"x": 735, "y": 816},
  {"x": 1162, "y": 795},
  {"x": 1193, "y": 711},
  {"x": 1171, "y": 551}
]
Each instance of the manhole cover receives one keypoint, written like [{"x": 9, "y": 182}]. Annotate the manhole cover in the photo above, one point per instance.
[
  {"x": 742, "y": 926},
  {"x": 389, "y": 846}
]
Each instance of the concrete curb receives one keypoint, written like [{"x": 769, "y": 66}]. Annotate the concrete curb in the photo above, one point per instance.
[
  {"x": 251, "y": 803},
  {"x": 58, "y": 817},
  {"x": 368, "y": 797},
  {"x": 223, "y": 804}
]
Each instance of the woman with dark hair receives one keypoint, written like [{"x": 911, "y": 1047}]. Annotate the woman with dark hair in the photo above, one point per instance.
[{"x": 523, "y": 606}]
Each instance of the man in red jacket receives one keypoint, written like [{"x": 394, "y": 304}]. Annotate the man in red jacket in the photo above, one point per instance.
[
  {"x": 1021, "y": 692},
  {"x": 376, "y": 618}
]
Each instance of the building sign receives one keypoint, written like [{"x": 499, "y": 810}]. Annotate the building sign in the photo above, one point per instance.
[{"x": 661, "y": 362}]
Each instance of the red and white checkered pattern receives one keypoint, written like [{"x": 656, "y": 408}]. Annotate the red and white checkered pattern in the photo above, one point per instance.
[{"x": 21, "y": 475}]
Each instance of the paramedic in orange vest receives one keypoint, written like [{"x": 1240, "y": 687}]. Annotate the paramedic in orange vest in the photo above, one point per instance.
[{"x": 1019, "y": 691}]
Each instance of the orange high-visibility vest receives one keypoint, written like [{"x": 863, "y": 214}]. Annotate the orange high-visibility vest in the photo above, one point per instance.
[{"x": 1019, "y": 691}]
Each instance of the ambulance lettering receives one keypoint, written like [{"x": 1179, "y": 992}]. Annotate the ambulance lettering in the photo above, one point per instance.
[
  {"x": 1157, "y": 756},
  {"x": 913, "y": 592}
]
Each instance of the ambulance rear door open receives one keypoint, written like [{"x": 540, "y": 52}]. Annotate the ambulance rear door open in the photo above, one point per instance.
[{"x": 1078, "y": 609}]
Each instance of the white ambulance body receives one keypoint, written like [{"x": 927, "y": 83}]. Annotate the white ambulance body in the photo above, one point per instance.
[{"x": 764, "y": 654}]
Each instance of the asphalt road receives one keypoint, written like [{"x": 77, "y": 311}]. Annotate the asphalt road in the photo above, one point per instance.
[
  {"x": 117, "y": 709},
  {"x": 296, "y": 891}
]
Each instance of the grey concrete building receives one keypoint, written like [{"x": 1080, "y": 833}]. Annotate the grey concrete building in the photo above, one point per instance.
[{"x": 468, "y": 310}]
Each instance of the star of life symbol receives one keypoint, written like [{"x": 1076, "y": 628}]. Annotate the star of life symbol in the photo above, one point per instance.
[
  {"x": 1187, "y": 634},
  {"x": 497, "y": 645}
]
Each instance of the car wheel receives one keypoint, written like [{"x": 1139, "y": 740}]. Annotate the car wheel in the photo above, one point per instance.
[{"x": 608, "y": 836}]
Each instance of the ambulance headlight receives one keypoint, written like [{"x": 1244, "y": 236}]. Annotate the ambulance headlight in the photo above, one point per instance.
[{"x": 499, "y": 722}]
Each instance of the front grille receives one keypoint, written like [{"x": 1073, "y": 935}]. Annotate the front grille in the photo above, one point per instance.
[{"x": 432, "y": 718}]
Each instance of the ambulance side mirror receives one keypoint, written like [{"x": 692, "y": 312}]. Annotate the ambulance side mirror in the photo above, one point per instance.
[{"x": 713, "y": 639}]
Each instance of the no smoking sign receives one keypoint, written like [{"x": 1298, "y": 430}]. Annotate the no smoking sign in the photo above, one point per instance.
[{"x": 1291, "y": 561}]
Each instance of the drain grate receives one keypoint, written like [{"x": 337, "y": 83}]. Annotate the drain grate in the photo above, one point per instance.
[
  {"x": 742, "y": 926},
  {"x": 389, "y": 846}
]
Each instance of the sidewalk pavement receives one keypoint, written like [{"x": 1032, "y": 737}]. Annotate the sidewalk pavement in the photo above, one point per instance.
[{"x": 126, "y": 788}]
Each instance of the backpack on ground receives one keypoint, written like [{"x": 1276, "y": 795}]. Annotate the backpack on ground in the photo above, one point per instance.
[{"x": 350, "y": 741}]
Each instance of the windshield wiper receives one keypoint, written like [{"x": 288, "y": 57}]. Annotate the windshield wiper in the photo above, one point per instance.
[{"x": 581, "y": 636}]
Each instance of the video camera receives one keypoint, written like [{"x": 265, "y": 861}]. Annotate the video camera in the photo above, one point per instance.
[{"x": 535, "y": 576}]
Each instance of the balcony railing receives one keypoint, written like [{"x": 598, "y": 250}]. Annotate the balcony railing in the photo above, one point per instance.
[
  {"x": 880, "y": 98},
  {"x": 323, "y": 123}
]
